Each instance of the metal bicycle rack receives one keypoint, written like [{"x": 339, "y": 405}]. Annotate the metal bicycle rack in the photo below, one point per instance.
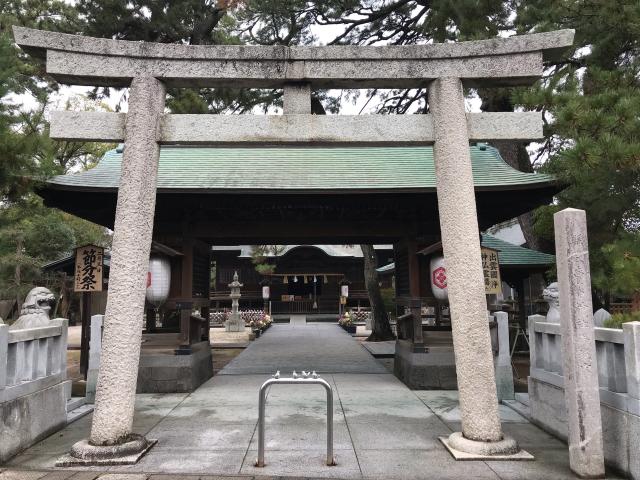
[{"x": 305, "y": 378}]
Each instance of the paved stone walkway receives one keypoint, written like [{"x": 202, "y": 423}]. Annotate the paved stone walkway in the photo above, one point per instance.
[
  {"x": 383, "y": 430},
  {"x": 323, "y": 347}
]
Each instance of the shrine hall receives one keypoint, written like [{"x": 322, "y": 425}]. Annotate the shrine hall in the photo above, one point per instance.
[{"x": 210, "y": 198}]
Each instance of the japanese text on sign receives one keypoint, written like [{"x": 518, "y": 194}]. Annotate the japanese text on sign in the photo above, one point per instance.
[
  {"x": 491, "y": 271},
  {"x": 88, "y": 270}
]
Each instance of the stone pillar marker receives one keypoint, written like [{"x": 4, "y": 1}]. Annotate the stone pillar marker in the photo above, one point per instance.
[
  {"x": 481, "y": 429},
  {"x": 504, "y": 372},
  {"x": 581, "y": 390},
  {"x": 632, "y": 359},
  {"x": 95, "y": 347},
  {"x": 111, "y": 430}
]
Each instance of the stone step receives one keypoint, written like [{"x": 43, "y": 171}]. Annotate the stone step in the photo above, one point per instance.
[
  {"x": 75, "y": 402},
  {"x": 519, "y": 408},
  {"x": 523, "y": 397},
  {"x": 79, "y": 412}
]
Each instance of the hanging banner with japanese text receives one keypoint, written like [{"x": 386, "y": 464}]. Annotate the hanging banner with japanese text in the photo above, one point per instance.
[
  {"x": 88, "y": 269},
  {"x": 491, "y": 270}
]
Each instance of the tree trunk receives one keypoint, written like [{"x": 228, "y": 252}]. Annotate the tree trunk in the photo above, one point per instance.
[
  {"x": 635, "y": 302},
  {"x": 380, "y": 319}
]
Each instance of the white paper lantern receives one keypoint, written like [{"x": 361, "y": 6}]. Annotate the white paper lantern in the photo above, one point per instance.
[
  {"x": 158, "y": 280},
  {"x": 438, "y": 276}
]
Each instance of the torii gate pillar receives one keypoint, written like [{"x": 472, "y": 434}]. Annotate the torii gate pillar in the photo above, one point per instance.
[
  {"x": 481, "y": 430},
  {"x": 112, "y": 440}
]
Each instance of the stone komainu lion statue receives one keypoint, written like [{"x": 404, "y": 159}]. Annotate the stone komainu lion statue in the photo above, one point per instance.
[
  {"x": 35, "y": 309},
  {"x": 552, "y": 297}
]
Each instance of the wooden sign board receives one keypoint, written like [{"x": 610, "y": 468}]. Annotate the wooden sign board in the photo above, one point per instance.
[
  {"x": 491, "y": 270},
  {"x": 88, "y": 269}
]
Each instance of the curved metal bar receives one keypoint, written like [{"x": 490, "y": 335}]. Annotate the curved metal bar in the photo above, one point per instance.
[{"x": 330, "y": 461}]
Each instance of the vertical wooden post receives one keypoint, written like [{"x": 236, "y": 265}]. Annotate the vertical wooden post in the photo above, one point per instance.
[
  {"x": 186, "y": 293},
  {"x": 151, "y": 319},
  {"x": 185, "y": 324},
  {"x": 522, "y": 306},
  {"x": 204, "y": 312},
  {"x": 414, "y": 292}
]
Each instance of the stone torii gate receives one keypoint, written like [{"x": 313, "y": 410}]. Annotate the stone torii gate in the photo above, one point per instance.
[{"x": 148, "y": 68}]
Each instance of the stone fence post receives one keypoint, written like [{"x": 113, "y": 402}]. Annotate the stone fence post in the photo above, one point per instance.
[
  {"x": 504, "y": 372},
  {"x": 632, "y": 364},
  {"x": 4, "y": 350},
  {"x": 632, "y": 361},
  {"x": 95, "y": 347},
  {"x": 534, "y": 360},
  {"x": 582, "y": 396}
]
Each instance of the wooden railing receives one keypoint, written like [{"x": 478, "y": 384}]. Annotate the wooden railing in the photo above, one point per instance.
[
  {"x": 297, "y": 306},
  {"x": 224, "y": 294}
]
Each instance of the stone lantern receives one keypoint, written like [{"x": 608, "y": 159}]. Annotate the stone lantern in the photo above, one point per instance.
[{"x": 234, "y": 323}]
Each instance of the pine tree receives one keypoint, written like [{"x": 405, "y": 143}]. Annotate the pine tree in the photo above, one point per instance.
[{"x": 591, "y": 101}]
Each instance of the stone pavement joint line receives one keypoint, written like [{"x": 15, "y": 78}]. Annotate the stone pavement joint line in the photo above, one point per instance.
[{"x": 382, "y": 430}]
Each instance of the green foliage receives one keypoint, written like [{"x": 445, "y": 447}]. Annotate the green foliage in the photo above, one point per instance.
[
  {"x": 263, "y": 257},
  {"x": 618, "y": 319},
  {"x": 622, "y": 258},
  {"x": 591, "y": 100},
  {"x": 32, "y": 235}
]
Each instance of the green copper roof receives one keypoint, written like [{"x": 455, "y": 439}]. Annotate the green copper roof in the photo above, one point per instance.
[
  {"x": 513, "y": 255},
  {"x": 304, "y": 168}
]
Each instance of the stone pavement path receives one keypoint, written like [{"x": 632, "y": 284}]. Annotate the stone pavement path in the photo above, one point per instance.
[
  {"x": 383, "y": 430},
  {"x": 323, "y": 347}
]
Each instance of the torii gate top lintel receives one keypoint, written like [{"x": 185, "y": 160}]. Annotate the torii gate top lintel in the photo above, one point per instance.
[{"x": 81, "y": 60}]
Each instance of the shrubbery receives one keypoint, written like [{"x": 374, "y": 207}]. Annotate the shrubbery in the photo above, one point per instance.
[{"x": 618, "y": 319}]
